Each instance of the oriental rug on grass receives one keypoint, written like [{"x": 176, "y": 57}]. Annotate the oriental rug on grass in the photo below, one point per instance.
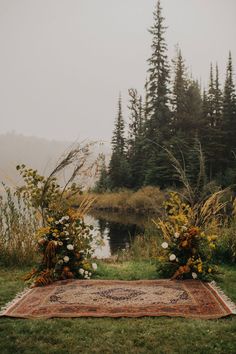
[{"x": 116, "y": 298}]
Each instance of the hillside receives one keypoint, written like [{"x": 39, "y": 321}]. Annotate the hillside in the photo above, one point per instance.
[{"x": 38, "y": 153}]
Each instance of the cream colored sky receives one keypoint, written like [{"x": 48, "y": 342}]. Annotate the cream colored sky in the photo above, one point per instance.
[{"x": 63, "y": 62}]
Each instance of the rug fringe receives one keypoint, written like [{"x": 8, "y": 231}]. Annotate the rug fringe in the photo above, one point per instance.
[
  {"x": 229, "y": 303},
  {"x": 11, "y": 303}
]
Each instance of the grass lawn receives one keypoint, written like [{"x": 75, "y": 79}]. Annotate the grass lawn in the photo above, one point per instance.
[{"x": 91, "y": 335}]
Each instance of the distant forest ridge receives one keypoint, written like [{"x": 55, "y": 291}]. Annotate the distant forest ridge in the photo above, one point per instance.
[
  {"x": 174, "y": 116},
  {"x": 34, "y": 152}
]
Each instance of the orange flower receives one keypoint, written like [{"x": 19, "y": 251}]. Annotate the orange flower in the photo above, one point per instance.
[{"x": 193, "y": 231}]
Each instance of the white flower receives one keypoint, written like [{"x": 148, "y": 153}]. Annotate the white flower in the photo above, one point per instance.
[
  {"x": 176, "y": 234},
  {"x": 94, "y": 266},
  {"x": 60, "y": 243},
  {"x": 89, "y": 274},
  {"x": 70, "y": 247},
  {"x": 67, "y": 217},
  {"x": 86, "y": 272},
  {"x": 184, "y": 228},
  {"x": 66, "y": 259},
  {"x": 172, "y": 257},
  {"x": 194, "y": 275},
  {"x": 56, "y": 222},
  {"x": 60, "y": 261},
  {"x": 81, "y": 271},
  {"x": 66, "y": 233},
  {"x": 164, "y": 245},
  {"x": 67, "y": 225}
]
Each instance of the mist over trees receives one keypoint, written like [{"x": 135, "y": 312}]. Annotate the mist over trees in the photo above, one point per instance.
[{"x": 177, "y": 115}]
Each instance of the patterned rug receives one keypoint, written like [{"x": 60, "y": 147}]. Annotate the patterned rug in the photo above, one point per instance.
[{"x": 113, "y": 298}]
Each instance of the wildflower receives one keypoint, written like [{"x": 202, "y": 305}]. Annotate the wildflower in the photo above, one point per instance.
[
  {"x": 66, "y": 217},
  {"x": 60, "y": 243},
  {"x": 94, "y": 266},
  {"x": 164, "y": 245},
  {"x": 66, "y": 259},
  {"x": 70, "y": 247},
  {"x": 194, "y": 275},
  {"x": 81, "y": 271},
  {"x": 60, "y": 261},
  {"x": 176, "y": 235},
  {"x": 184, "y": 228},
  {"x": 172, "y": 257}
]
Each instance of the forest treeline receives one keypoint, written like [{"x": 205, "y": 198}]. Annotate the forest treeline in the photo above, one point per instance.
[{"x": 175, "y": 117}]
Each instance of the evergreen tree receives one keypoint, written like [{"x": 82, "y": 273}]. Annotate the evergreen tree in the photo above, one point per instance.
[
  {"x": 103, "y": 183},
  {"x": 229, "y": 112},
  {"x": 157, "y": 85},
  {"x": 193, "y": 109},
  {"x": 135, "y": 140},
  {"x": 157, "y": 130},
  {"x": 179, "y": 95},
  {"x": 118, "y": 167},
  {"x": 229, "y": 125}
]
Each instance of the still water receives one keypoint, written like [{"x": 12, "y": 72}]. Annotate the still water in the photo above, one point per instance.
[{"x": 116, "y": 230}]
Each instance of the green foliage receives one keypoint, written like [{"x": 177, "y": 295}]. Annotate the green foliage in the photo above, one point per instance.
[
  {"x": 18, "y": 224},
  {"x": 226, "y": 244}
]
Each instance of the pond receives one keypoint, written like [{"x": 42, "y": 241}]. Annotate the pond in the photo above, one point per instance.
[{"x": 117, "y": 230}]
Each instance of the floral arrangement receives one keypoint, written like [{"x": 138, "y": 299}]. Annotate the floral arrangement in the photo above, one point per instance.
[
  {"x": 63, "y": 240},
  {"x": 186, "y": 250},
  {"x": 65, "y": 245}
]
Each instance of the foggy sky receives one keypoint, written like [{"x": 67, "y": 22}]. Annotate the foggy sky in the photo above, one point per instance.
[{"x": 64, "y": 62}]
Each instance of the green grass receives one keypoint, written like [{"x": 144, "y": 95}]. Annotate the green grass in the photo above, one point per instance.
[{"x": 104, "y": 335}]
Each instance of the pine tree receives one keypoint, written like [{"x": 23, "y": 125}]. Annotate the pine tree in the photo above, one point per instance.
[
  {"x": 103, "y": 183},
  {"x": 229, "y": 112},
  {"x": 180, "y": 85},
  {"x": 229, "y": 125},
  {"x": 157, "y": 85},
  {"x": 118, "y": 139},
  {"x": 135, "y": 140},
  {"x": 118, "y": 168},
  {"x": 218, "y": 100},
  {"x": 193, "y": 109},
  {"x": 157, "y": 129}
]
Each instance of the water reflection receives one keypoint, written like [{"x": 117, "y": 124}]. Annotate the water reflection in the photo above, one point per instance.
[{"x": 116, "y": 231}]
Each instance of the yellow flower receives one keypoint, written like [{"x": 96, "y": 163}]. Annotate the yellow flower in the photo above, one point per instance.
[
  {"x": 209, "y": 270},
  {"x": 50, "y": 219}
]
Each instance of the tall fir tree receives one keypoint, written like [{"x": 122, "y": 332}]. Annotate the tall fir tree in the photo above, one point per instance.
[
  {"x": 157, "y": 130},
  {"x": 118, "y": 167},
  {"x": 135, "y": 139},
  {"x": 103, "y": 183},
  {"x": 229, "y": 125},
  {"x": 179, "y": 95},
  {"x": 229, "y": 111}
]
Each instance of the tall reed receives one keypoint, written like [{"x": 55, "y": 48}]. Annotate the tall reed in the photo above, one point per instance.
[{"x": 18, "y": 223}]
